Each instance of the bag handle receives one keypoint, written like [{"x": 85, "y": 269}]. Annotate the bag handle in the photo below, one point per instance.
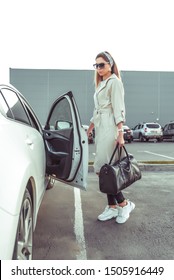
[{"x": 119, "y": 153}]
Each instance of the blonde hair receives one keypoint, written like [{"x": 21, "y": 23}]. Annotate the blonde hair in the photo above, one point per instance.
[{"x": 114, "y": 68}]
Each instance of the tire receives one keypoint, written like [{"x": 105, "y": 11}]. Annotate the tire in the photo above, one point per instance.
[{"x": 23, "y": 249}]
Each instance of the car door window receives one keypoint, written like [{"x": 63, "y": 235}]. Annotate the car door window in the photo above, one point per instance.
[
  {"x": 59, "y": 139},
  {"x": 61, "y": 116},
  {"x": 15, "y": 108},
  {"x": 5, "y": 107}
]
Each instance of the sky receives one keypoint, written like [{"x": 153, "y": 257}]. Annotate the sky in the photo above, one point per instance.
[{"x": 68, "y": 34}]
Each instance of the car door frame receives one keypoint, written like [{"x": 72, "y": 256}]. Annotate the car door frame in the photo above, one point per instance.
[{"x": 72, "y": 140}]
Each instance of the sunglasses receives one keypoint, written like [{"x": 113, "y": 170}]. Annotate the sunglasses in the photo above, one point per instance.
[{"x": 100, "y": 65}]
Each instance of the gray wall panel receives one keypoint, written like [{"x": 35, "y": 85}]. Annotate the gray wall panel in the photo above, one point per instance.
[
  {"x": 42, "y": 87},
  {"x": 141, "y": 92},
  {"x": 149, "y": 96}
]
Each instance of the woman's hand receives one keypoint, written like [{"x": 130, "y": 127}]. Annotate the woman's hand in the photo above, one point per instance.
[
  {"x": 120, "y": 139},
  {"x": 90, "y": 129}
]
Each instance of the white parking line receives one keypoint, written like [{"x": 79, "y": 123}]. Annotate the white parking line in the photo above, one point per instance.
[
  {"x": 158, "y": 155},
  {"x": 78, "y": 225}
]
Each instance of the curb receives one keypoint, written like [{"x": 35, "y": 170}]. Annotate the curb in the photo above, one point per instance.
[
  {"x": 156, "y": 167},
  {"x": 147, "y": 166}
]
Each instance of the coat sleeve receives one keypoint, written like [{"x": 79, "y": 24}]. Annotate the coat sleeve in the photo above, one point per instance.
[
  {"x": 92, "y": 120},
  {"x": 117, "y": 101}
]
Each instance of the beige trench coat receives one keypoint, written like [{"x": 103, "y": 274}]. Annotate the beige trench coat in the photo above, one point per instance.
[{"x": 109, "y": 111}]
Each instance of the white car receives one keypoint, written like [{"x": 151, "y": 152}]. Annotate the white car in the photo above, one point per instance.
[
  {"x": 147, "y": 131},
  {"x": 29, "y": 156}
]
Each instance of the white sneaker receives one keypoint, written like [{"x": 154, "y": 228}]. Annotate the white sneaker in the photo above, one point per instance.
[
  {"x": 124, "y": 212},
  {"x": 108, "y": 214}
]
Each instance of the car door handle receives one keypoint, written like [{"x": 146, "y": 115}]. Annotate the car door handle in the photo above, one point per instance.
[{"x": 29, "y": 141}]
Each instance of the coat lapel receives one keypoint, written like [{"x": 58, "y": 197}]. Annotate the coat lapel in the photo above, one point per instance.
[{"x": 104, "y": 83}]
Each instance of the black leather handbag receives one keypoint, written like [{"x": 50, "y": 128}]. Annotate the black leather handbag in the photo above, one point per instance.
[{"x": 114, "y": 177}]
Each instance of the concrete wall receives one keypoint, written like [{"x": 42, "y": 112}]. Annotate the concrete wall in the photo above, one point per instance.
[
  {"x": 42, "y": 87},
  {"x": 149, "y": 96}
]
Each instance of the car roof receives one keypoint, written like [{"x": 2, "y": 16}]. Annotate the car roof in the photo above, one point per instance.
[
  {"x": 145, "y": 123},
  {"x": 125, "y": 126}
]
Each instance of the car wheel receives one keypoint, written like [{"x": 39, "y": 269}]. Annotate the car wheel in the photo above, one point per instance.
[{"x": 24, "y": 237}]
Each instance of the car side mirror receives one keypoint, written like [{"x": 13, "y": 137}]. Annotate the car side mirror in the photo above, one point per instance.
[{"x": 62, "y": 125}]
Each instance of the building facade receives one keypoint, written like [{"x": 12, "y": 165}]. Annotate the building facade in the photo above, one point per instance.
[{"x": 149, "y": 96}]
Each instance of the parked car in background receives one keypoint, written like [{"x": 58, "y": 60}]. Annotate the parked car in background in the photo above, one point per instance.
[
  {"x": 127, "y": 134},
  {"x": 30, "y": 156},
  {"x": 168, "y": 131},
  {"x": 147, "y": 131}
]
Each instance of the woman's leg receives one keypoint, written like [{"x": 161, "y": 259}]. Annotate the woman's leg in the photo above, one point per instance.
[
  {"x": 124, "y": 207},
  {"x": 115, "y": 199},
  {"x": 111, "y": 210}
]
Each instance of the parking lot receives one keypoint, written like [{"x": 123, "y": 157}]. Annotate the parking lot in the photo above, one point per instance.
[
  {"x": 151, "y": 151},
  {"x": 68, "y": 228}
]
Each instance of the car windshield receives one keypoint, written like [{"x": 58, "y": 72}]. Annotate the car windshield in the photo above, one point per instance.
[{"x": 153, "y": 125}]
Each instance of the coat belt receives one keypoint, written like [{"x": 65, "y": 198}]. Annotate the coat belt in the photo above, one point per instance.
[{"x": 98, "y": 113}]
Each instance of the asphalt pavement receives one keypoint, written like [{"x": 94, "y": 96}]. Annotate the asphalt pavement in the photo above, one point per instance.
[
  {"x": 68, "y": 229},
  {"x": 151, "y": 156}
]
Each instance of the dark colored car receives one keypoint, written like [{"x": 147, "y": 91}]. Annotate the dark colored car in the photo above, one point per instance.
[
  {"x": 127, "y": 134},
  {"x": 168, "y": 131}
]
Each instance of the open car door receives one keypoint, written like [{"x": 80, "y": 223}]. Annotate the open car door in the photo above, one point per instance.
[{"x": 66, "y": 143}]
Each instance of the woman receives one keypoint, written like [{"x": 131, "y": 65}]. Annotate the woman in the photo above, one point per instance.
[{"x": 108, "y": 119}]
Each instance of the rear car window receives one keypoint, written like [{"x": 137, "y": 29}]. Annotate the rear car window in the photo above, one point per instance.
[
  {"x": 152, "y": 125},
  {"x": 14, "y": 108}
]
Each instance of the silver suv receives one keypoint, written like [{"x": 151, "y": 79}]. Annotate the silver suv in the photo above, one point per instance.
[{"x": 146, "y": 131}]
